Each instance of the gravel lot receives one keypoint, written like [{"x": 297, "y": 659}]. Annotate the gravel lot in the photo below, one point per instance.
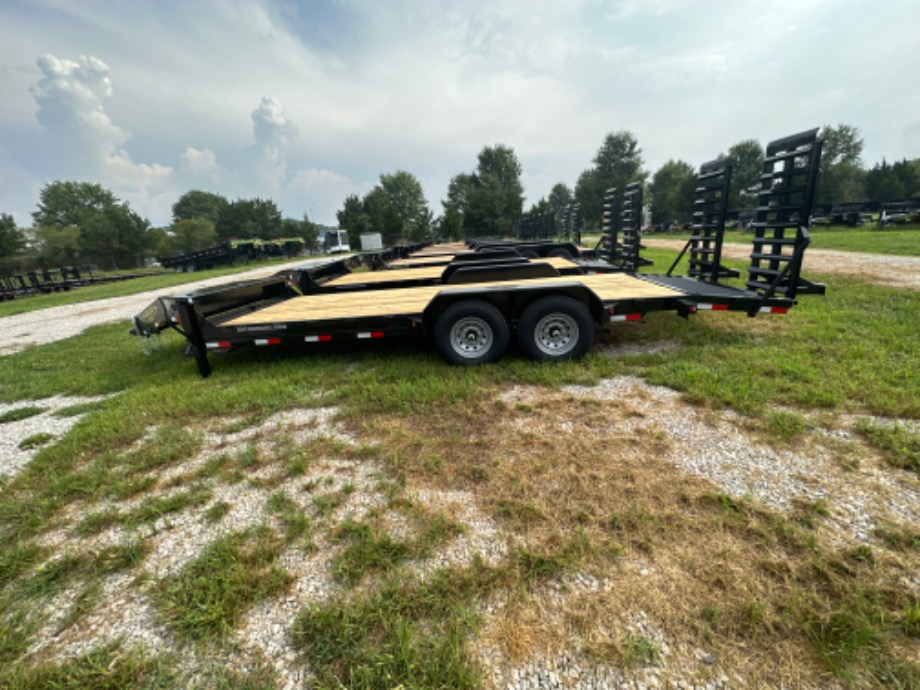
[{"x": 718, "y": 451}]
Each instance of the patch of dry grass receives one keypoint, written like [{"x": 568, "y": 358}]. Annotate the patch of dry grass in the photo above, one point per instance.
[{"x": 754, "y": 588}]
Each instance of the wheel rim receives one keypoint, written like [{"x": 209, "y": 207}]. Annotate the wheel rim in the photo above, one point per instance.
[
  {"x": 556, "y": 334},
  {"x": 471, "y": 337}
]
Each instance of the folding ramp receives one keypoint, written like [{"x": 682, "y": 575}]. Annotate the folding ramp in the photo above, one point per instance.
[
  {"x": 785, "y": 199},
  {"x": 704, "y": 248}
]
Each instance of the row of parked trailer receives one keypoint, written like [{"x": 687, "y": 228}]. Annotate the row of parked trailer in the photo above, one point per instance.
[
  {"x": 46, "y": 281},
  {"x": 471, "y": 301}
]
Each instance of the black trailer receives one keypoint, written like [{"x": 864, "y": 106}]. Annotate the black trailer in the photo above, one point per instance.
[
  {"x": 472, "y": 309},
  {"x": 552, "y": 317}
]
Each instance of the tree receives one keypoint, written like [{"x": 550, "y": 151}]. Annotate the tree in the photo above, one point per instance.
[
  {"x": 69, "y": 204},
  {"x": 618, "y": 162},
  {"x": 451, "y": 226},
  {"x": 12, "y": 239},
  {"x": 382, "y": 216},
  {"x": 746, "y": 158},
  {"x": 246, "y": 219},
  {"x": 841, "y": 176},
  {"x": 887, "y": 182},
  {"x": 560, "y": 196},
  {"x": 353, "y": 218},
  {"x": 110, "y": 232},
  {"x": 114, "y": 237},
  {"x": 198, "y": 204},
  {"x": 57, "y": 246},
  {"x": 405, "y": 194},
  {"x": 540, "y": 207},
  {"x": 192, "y": 234},
  {"x": 672, "y": 192},
  {"x": 495, "y": 197}
]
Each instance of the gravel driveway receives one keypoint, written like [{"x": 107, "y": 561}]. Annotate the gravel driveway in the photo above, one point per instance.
[{"x": 22, "y": 331}]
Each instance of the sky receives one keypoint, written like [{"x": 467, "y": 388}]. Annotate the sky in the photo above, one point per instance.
[{"x": 307, "y": 101}]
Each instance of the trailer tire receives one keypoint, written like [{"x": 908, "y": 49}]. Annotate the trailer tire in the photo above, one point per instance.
[
  {"x": 471, "y": 332},
  {"x": 561, "y": 253},
  {"x": 555, "y": 328}
]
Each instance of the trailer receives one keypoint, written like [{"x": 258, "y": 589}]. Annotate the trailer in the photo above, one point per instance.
[{"x": 472, "y": 308}]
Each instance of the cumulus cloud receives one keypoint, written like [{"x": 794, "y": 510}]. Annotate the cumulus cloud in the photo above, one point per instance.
[
  {"x": 71, "y": 99},
  {"x": 201, "y": 164},
  {"x": 273, "y": 132}
]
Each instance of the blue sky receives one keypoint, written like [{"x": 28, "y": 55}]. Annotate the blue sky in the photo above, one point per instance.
[{"x": 305, "y": 102}]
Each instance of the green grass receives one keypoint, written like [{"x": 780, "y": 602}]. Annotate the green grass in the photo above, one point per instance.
[
  {"x": 854, "y": 350},
  {"x": 20, "y": 413},
  {"x": 205, "y": 599}
]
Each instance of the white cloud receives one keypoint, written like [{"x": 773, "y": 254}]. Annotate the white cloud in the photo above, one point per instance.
[
  {"x": 273, "y": 133},
  {"x": 71, "y": 99},
  {"x": 201, "y": 164}
]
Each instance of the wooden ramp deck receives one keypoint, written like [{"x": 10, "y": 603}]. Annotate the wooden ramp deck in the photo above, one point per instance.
[
  {"x": 421, "y": 273},
  {"x": 413, "y": 300}
]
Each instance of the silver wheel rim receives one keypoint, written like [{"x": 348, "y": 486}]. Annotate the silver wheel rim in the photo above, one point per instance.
[
  {"x": 556, "y": 334},
  {"x": 471, "y": 337}
]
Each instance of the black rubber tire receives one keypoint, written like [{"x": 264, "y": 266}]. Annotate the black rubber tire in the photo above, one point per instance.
[
  {"x": 529, "y": 254},
  {"x": 471, "y": 332},
  {"x": 555, "y": 328},
  {"x": 561, "y": 253}
]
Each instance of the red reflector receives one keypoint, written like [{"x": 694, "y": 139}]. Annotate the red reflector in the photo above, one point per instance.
[
  {"x": 634, "y": 317},
  {"x": 377, "y": 334},
  {"x": 324, "y": 338},
  {"x": 779, "y": 310},
  {"x": 720, "y": 307}
]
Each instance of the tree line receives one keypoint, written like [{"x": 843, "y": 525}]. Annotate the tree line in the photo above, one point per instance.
[{"x": 81, "y": 222}]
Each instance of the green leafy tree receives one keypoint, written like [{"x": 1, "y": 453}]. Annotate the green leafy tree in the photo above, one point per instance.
[
  {"x": 246, "y": 219},
  {"x": 158, "y": 242},
  {"x": 405, "y": 194},
  {"x": 541, "y": 206},
  {"x": 560, "y": 196},
  {"x": 353, "y": 218},
  {"x": 893, "y": 182},
  {"x": 114, "y": 238},
  {"x": 192, "y": 234},
  {"x": 199, "y": 204},
  {"x": 12, "y": 239},
  {"x": 672, "y": 192},
  {"x": 68, "y": 204},
  {"x": 746, "y": 158},
  {"x": 495, "y": 197},
  {"x": 618, "y": 162},
  {"x": 57, "y": 246},
  {"x": 111, "y": 234},
  {"x": 842, "y": 177},
  {"x": 382, "y": 216},
  {"x": 451, "y": 225}
]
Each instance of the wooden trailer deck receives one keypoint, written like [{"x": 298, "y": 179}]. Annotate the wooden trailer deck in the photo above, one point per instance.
[
  {"x": 420, "y": 273},
  {"x": 407, "y": 301}
]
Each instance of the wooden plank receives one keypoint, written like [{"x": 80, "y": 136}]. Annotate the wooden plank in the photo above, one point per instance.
[
  {"x": 421, "y": 273},
  {"x": 402, "y": 301},
  {"x": 384, "y": 276}
]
